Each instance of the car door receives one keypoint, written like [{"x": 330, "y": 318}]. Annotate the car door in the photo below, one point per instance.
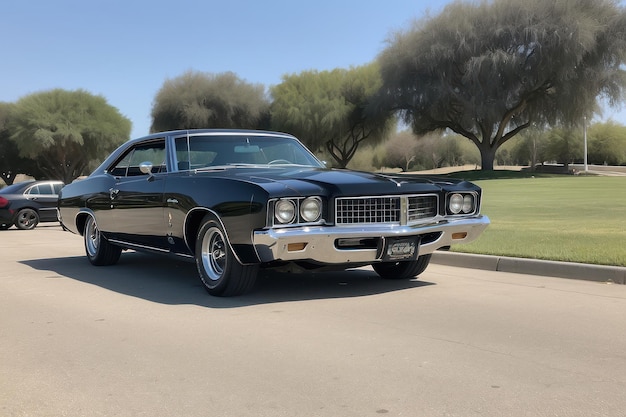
[
  {"x": 136, "y": 213},
  {"x": 44, "y": 199}
]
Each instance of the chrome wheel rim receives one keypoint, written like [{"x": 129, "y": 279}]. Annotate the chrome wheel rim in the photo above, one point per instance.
[
  {"x": 92, "y": 237},
  {"x": 214, "y": 253}
]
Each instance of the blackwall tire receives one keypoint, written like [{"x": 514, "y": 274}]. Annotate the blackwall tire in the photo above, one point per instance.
[
  {"x": 402, "y": 270},
  {"x": 26, "y": 219},
  {"x": 219, "y": 270},
  {"x": 99, "y": 251}
]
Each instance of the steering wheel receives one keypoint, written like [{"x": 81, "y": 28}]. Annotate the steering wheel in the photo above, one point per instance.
[{"x": 279, "y": 161}]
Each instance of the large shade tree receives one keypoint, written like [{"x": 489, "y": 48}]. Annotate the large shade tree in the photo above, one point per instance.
[
  {"x": 63, "y": 131},
  {"x": 607, "y": 143},
  {"x": 204, "y": 100},
  {"x": 330, "y": 110},
  {"x": 488, "y": 70},
  {"x": 11, "y": 163}
]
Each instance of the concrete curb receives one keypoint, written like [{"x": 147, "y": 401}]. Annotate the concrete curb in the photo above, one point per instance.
[{"x": 572, "y": 270}]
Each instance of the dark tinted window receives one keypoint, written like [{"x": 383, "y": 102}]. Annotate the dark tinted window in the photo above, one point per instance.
[
  {"x": 153, "y": 152},
  {"x": 203, "y": 151},
  {"x": 38, "y": 189}
]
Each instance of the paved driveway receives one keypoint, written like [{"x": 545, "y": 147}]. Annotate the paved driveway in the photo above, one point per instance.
[{"x": 142, "y": 338}]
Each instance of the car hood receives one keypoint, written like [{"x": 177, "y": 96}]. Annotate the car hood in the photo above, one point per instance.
[{"x": 312, "y": 181}]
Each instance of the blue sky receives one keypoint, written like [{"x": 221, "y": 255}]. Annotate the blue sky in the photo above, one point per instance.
[{"x": 125, "y": 50}]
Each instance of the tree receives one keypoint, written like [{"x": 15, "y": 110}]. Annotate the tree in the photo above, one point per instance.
[
  {"x": 202, "y": 100},
  {"x": 11, "y": 163},
  {"x": 529, "y": 148},
  {"x": 65, "y": 130},
  {"x": 489, "y": 70},
  {"x": 330, "y": 109},
  {"x": 430, "y": 152},
  {"x": 400, "y": 150},
  {"x": 607, "y": 143},
  {"x": 564, "y": 146}
]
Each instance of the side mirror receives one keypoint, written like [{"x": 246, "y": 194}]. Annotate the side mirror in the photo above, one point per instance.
[{"x": 146, "y": 167}]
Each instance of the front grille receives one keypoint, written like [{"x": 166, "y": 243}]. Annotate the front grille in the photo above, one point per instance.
[
  {"x": 422, "y": 207},
  {"x": 367, "y": 210},
  {"x": 384, "y": 209}
]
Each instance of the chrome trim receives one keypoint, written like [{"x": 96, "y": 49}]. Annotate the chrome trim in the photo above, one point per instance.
[
  {"x": 144, "y": 248},
  {"x": 271, "y": 245},
  {"x": 137, "y": 246},
  {"x": 400, "y": 215},
  {"x": 297, "y": 221},
  {"x": 462, "y": 193}
]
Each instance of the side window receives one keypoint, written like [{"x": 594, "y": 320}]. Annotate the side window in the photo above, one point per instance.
[
  {"x": 198, "y": 152},
  {"x": 57, "y": 187},
  {"x": 34, "y": 190},
  {"x": 45, "y": 189},
  {"x": 153, "y": 152},
  {"x": 40, "y": 189}
]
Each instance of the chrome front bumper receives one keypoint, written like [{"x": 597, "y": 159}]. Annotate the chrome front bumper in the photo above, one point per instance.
[{"x": 320, "y": 241}]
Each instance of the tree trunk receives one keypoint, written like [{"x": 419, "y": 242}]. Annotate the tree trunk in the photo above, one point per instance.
[{"x": 487, "y": 157}]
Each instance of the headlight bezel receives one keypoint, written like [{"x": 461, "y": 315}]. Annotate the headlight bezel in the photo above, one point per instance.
[
  {"x": 306, "y": 211},
  {"x": 311, "y": 204},
  {"x": 285, "y": 206},
  {"x": 462, "y": 203}
]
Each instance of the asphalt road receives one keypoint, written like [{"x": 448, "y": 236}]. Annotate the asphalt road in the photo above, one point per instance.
[{"x": 142, "y": 338}]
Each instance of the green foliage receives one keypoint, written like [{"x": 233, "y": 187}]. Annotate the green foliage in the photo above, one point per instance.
[
  {"x": 201, "y": 100},
  {"x": 607, "y": 143},
  {"x": 566, "y": 218},
  {"x": 63, "y": 131},
  {"x": 488, "y": 70},
  {"x": 412, "y": 153},
  {"x": 400, "y": 151},
  {"x": 564, "y": 145},
  {"x": 329, "y": 110},
  {"x": 11, "y": 163}
]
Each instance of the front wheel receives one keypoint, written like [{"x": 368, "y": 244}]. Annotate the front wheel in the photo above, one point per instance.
[
  {"x": 26, "y": 219},
  {"x": 99, "y": 251},
  {"x": 219, "y": 270},
  {"x": 403, "y": 269}
]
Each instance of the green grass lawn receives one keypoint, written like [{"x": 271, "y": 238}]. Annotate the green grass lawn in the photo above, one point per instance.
[{"x": 562, "y": 218}]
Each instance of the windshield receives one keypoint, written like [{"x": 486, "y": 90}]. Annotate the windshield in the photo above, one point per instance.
[{"x": 196, "y": 152}]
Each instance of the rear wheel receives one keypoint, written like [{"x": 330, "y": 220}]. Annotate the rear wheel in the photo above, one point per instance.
[
  {"x": 26, "y": 219},
  {"x": 219, "y": 270},
  {"x": 99, "y": 251},
  {"x": 402, "y": 270}
]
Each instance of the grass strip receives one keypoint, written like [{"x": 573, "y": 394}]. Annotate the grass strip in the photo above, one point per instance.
[{"x": 560, "y": 218}]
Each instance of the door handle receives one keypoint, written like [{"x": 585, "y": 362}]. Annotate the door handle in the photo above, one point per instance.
[{"x": 113, "y": 193}]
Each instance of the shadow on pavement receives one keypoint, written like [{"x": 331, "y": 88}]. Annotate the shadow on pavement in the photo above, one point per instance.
[{"x": 171, "y": 281}]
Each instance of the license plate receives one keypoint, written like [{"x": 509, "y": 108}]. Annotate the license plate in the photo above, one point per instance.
[{"x": 401, "y": 249}]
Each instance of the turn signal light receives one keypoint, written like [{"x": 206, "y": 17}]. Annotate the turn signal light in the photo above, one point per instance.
[
  {"x": 295, "y": 247},
  {"x": 459, "y": 235}
]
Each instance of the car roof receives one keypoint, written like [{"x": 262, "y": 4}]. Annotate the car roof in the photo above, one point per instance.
[
  {"x": 19, "y": 187},
  {"x": 214, "y": 132}
]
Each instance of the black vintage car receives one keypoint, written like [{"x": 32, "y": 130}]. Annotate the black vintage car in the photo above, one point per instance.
[{"x": 235, "y": 201}]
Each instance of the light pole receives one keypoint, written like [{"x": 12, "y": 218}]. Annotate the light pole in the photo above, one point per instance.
[{"x": 585, "y": 140}]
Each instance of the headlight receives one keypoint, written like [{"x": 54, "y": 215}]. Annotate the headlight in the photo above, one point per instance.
[
  {"x": 311, "y": 209},
  {"x": 456, "y": 203},
  {"x": 468, "y": 203},
  {"x": 462, "y": 203},
  {"x": 285, "y": 211}
]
